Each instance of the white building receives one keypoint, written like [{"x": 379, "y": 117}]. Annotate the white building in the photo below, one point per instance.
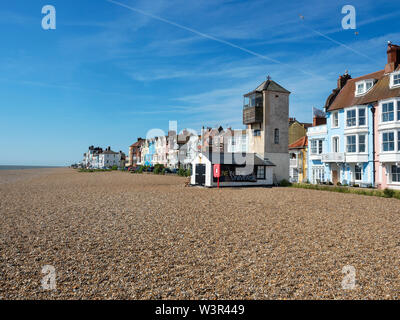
[
  {"x": 237, "y": 169},
  {"x": 96, "y": 158}
]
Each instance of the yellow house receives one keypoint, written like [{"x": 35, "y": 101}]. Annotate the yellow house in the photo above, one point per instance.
[
  {"x": 297, "y": 130},
  {"x": 298, "y": 160}
]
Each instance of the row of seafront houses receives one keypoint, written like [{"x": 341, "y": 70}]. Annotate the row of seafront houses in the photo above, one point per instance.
[
  {"x": 359, "y": 143},
  {"x": 355, "y": 141}
]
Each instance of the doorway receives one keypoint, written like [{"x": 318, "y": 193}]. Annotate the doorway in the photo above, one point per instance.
[
  {"x": 335, "y": 177},
  {"x": 200, "y": 174}
]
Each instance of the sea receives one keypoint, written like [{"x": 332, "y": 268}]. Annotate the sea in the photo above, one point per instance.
[{"x": 25, "y": 167}]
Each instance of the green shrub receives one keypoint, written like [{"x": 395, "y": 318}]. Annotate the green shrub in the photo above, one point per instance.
[
  {"x": 140, "y": 170},
  {"x": 284, "y": 183},
  {"x": 181, "y": 172},
  {"x": 163, "y": 171},
  {"x": 188, "y": 173},
  {"x": 388, "y": 193},
  {"x": 114, "y": 168}
]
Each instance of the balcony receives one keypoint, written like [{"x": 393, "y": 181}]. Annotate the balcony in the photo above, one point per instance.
[
  {"x": 333, "y": 157},
  {"x": 252, "y": 115}
]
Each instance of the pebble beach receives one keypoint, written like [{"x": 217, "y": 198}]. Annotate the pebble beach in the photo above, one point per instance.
[{"x": 116, "y": 235}]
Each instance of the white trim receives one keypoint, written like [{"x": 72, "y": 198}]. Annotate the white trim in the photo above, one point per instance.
[
  {"x": 357, "y": 126},
  {"x": 364, "y": 82},
  {"x": 333, "y": 137},
  {"x": 392, "y": 85},
  {"x": 396, "y": 105},
  {"x": 333, "y": 113}
]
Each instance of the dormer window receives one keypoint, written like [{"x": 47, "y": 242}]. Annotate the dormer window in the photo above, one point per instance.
[
  {"x": 363, "y": 87},
  {"x": 395, "y": 80}
]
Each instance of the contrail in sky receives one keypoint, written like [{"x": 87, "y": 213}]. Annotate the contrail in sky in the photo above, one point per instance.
[{"x": 207, "y": 36}]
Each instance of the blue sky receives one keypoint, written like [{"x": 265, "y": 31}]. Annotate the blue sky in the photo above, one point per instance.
[{"x": 109, "y": 73}]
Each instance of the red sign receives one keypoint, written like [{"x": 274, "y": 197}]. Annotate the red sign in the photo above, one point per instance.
[{"x": 217, "y": 170}]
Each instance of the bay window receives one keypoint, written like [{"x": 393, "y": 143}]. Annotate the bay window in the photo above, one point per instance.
[
  {"x": 361, "y": 117},
  {"x": 388, "y": 141},
  {"x": 351, "y": 144},
  {"x": 361, "y": 143},
  {"x": 398, "y": 140},
  {"x": 395, "y": 174},
  {"x": 398, "y": 110},
  {"x": 387, "y": 112},
  {"x": 351, "y": 118}
]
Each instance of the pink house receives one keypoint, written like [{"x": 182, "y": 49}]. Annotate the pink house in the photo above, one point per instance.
[{"x": 385, "y": 97}]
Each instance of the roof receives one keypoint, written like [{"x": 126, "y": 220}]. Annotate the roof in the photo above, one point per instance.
[
  {"x": 269, "y": 85},
  {"x": 109, "y": 152},
  {"x": 380, "y": 91},
  {"x": 304, "y": 124},
  {"x": 238, "y": 159},
  {"x": 299, "y": 144},
  {"x": 137, "y": 144}
]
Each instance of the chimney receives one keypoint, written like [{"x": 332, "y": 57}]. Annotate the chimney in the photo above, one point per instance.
[
  {"x": 317, "y": 121},
  {"x": 343, "y": 80},
  {"x": 393, "y": 57}
]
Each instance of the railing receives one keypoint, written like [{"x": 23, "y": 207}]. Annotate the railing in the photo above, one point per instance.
[{"x": 333, "y": 157}]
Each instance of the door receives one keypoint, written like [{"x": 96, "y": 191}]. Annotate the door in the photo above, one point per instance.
[
  {"x": 200, "y": 174},
  {"x": 335, "y": 176}
]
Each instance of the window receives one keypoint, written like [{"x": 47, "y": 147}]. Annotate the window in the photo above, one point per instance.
[
  {"x": 398, "y": 110},
  {"x": 316, "y": 146},
  {"x": 335, "y": 143},
  {"x": 395, "y": 174},
  {"x": 261, "y": 172},
  {"x": 351, "y": 144},
  {"x": 335, "y": 119},
  {"x": 395, "y": 79},
  {"x": 318, "y": 174},
  {"x": 257, "y": 133},
  {"x": 363, "y": 86},
  {"x": 387, "y": 112},
  {"x": 358, "y": 173},
  {"x": 398, "y": 140},
  {"x": 361, "y": 117},
  {"x": 388, "y": 141},
  {"x": 361, "y": 143},
  {"x": 360, "y": 88},
  {"x": 276, "y": 136},
  {"x": 351, "y": 118}
]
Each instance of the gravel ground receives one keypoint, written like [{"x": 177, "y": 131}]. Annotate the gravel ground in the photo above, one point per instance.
[{"x": 123, "y": 236}]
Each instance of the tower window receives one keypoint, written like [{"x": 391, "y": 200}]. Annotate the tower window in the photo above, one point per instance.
[{"x": 276, "y": 136}]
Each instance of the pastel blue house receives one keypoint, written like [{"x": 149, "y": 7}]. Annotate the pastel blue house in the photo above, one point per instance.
[
  {"x": 148, "y": 158},
  {"x": 349, "y": 141}
]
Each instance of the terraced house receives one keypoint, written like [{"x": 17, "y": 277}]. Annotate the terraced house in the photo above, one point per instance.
[{"x": 362, "y": 141}]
